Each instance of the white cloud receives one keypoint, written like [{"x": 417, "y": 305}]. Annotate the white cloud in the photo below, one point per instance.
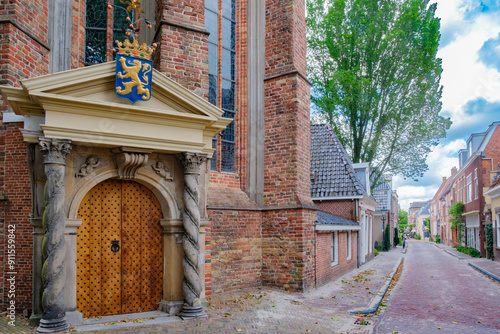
[{"x": 440, "y": 161}]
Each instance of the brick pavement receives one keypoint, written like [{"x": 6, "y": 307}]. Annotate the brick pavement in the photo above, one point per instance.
[
  {"x": 439, "y": 293},
  {"x": 263, "y": 310}
]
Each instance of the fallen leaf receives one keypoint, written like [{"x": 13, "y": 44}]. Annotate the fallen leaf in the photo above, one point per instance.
[
  {"x": 239, "y": 330},
  {"x": 335, "y": 319},
  {"x": 454, "y": 322},
  {"x": 308, "y": 330}
]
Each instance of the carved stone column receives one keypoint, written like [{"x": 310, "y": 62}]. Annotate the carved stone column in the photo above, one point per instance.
[
  {"x": 54, "y": 247},
  {"x": 191, "y": 285}
]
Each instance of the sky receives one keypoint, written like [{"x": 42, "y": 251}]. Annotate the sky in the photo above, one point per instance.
[{"x": 470, "y": 53}]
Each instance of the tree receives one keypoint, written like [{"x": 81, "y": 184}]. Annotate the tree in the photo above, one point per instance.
[
  {"x": 457, "y": 223},
  {"x": 403, "y": 219},
  {"x": 386, "y": 242},
  {"x": 396, "y": 236},
  {"x": 375, "y": 78}
]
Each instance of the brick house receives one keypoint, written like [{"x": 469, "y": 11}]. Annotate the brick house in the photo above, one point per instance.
[
  {"x": 344, "y": 228},
  {"x": 217, "y": 162},
  {"x": 492, "y": 196},
  {"x": 477, "y": 169},
  {"x": 440, "y": 205},
  {"x": 386, "y": 212}
]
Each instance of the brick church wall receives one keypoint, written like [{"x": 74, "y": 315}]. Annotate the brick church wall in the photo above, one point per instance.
[
  {"x": 23, "y": 54},
  {"x": 288, "y": 223}
]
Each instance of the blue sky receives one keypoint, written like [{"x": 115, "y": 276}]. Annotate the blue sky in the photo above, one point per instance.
[{"x": 470, "y": 50}]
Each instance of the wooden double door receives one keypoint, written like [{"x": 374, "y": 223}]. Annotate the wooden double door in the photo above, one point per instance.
[{"x": 119, "y": 250}]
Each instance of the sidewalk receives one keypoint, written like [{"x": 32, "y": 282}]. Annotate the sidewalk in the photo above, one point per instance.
[
  {"x": 326, "y": 309},
  {"x": 485, "y": 266}
]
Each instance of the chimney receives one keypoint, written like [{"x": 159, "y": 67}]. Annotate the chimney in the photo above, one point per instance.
[
  {"x": 453, "y": 171},
  {"x": 444, "y": 178}
]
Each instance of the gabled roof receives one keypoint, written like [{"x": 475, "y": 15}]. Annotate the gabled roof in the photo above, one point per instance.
[
  {"x": 326, "y": 218},
  {"x": 416, "y": 205},
  {"x": 331, "y": 166},
  {"x": 425, "y": 211}
]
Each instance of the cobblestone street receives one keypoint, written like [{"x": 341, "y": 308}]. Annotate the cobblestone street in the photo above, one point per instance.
[{"x": 440, "y": 293}]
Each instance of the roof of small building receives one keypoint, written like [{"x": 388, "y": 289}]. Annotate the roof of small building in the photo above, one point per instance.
[
  {"x": 426, "y": 210},
  {"x": 416, "y": 205},
  {"x": 332, "y": 167},
  {"x": 326, "y": 218}
]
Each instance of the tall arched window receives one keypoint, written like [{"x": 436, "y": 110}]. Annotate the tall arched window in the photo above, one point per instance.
[{"x": 222, "y": 84}]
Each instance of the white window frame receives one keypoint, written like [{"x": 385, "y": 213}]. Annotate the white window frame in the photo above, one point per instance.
[
  {"x": 349, "y": 246},
  {"x": 469, "y": 187},
  {"x": 334, "y": 252},
  {"x": 498, "y": 229},
  {"x": 476, "y": 184}
]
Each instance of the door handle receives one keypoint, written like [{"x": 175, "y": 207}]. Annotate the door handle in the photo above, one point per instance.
[{"x": 115, "y": 245}]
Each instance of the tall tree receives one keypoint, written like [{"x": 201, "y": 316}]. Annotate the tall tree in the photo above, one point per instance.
[{"x": 375, "y": 78}]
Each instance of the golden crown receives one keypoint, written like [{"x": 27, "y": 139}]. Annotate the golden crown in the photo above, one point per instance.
[{"x": 134, "y": 49}]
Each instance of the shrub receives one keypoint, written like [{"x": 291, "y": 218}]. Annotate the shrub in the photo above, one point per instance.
[
  {"x": 396, "y": 236},
  {"x": 438, "y": 239},
  {"x": 431, "y": 239},
  {"x": 417, "y": 236},
  {"x": 386, "y": 244},
  {"x": 376, "y": 252},
  {"x": 474, "y": 252},
  {"x": 489, "y": 241}
]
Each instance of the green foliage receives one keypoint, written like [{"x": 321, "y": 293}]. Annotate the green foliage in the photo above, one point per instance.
[
  {"x": 403, "y": 217},
  {"x": 438, "y": 239},
  {"x": 469, "y": 250},
  {"x": 457, "y": 223},
  {"x": 375, "y": 78},
  {"x": 431, "y": 239},
  {"x": 417, "y": 236},
  {"x": 489, "y": 241},
  {"x": 375, "y": 252},
  {"x": 386, "y": 244},
  {"x": 396, "y": 236}
]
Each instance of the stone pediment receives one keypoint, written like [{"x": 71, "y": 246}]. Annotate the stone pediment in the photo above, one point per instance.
[{"x": 81, "y": 105}]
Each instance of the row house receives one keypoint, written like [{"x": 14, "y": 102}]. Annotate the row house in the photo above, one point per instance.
[
  {"x": 419, "y": 219},
  {"x": 477, "y": 169},
  {"x": 414, "y": 214},
  {"x": 440, "y": 205},
  {"x": 387, "y": 210},
  {"x": 344, "y": 227}
]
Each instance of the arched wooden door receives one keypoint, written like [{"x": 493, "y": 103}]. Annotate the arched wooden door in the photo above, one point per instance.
[{"x": 119, "y": 250}]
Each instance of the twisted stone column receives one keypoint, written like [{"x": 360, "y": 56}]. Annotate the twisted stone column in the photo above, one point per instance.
[
  {"x": 53, "y": 246},
  {"x": 191, "y": 285}
]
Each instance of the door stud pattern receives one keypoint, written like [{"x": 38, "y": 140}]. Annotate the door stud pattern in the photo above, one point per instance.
[{"x": 130, "y": 279}]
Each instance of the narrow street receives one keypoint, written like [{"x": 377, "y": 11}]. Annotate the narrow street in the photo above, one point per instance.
[{"x": 439, "y": 293}]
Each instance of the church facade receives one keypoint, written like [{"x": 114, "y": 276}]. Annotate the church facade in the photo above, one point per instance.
[{"x": 114, "y": 207}]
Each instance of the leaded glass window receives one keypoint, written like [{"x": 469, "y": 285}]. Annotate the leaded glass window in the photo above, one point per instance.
[
  {"x": 228, "y": 85},
  {"x": 96, "y": 29},
  {"x": 96, "y": 20}
]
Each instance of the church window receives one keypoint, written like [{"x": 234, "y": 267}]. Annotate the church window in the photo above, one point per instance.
[{"x": 221, "y": 70}]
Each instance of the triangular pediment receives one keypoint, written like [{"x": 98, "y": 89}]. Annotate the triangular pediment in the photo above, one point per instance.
[{"x": 73, "y": 103}]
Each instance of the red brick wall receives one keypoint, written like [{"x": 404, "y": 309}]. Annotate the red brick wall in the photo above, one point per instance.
[
  {"x": 235, "y": 258},
  {"x": 23, "y": 54},
  {"x": 288, "y": 248},
  {"x": 183, "y": 52},
  {"x": 17, "y": 210},
  {"x": 325, "y": 272},
  {"x": 342, "y": 208},
  {"x": 288, "y": 234}
]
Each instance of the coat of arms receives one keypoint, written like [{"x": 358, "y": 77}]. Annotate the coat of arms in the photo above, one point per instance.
[
  {"x": 134, "y": 68},
  {"x": 134, "y": 71}
]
